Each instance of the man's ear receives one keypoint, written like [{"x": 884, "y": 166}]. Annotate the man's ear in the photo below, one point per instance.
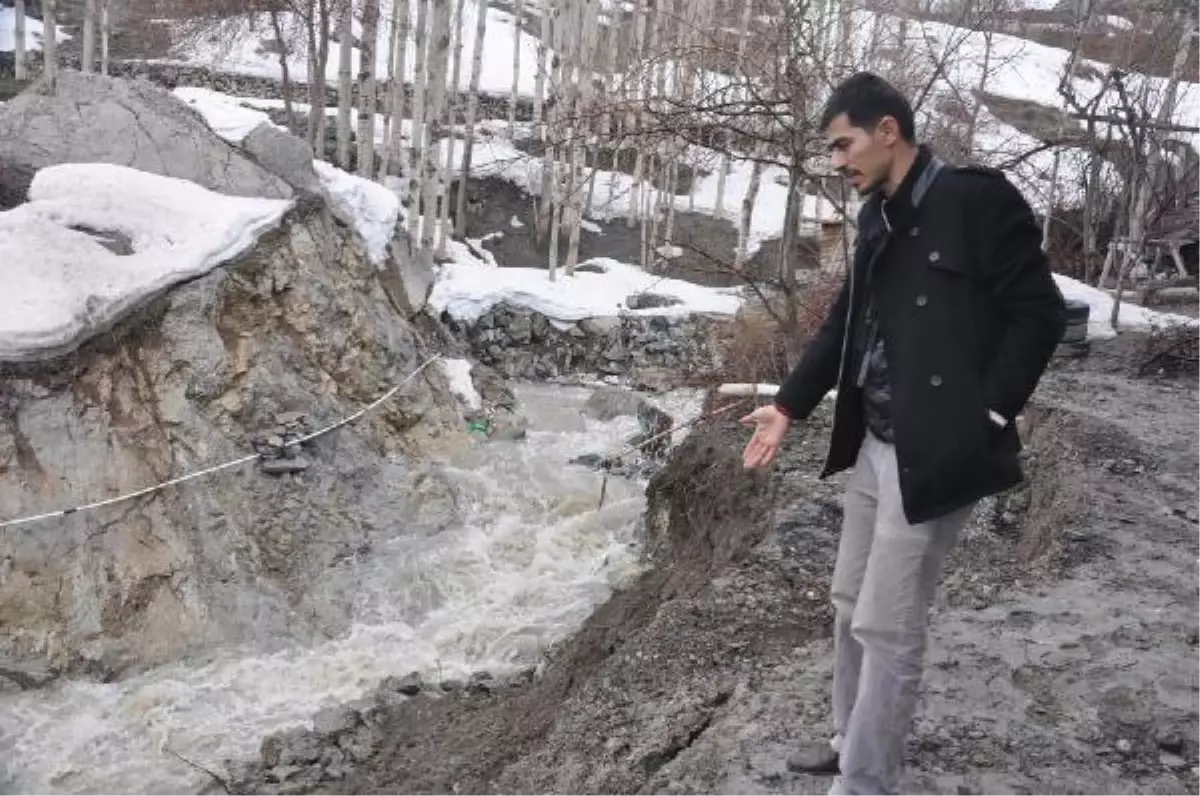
[{"x": 888, "y": 130}]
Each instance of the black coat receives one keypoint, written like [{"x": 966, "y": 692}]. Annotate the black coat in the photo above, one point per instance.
[{"x": 970, "y": 316}]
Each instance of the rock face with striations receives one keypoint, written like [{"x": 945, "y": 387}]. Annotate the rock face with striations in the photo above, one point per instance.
[
  {"x": 98, "y": 119},
  {"x": 295, "y": 334}
]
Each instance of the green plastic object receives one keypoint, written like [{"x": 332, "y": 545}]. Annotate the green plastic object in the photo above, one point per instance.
[{"x": 478, "y": 427}]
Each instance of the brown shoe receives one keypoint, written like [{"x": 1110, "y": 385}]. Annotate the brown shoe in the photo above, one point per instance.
[{"x": 814, "y": 758}]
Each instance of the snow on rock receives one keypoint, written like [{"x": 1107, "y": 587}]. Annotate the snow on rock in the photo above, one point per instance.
[
  {"x": 62, "y": 286},
  {"x": 1131, "y": 318},
  {"x": 227, "y": 116},
  {"x": 458, "y": 373},
  {"x": 467, "y": 290},
  {"x": 372, "y": 209}
]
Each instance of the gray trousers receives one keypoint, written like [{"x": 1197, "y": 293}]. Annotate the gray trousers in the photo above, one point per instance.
[{"x": 885, "y": 579}]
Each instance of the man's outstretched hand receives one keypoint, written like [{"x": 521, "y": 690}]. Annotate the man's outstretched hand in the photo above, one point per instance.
[{"x": 770, "y": 427}]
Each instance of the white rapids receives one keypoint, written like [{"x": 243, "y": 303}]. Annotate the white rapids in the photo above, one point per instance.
[{"x": 532, "y": 559}]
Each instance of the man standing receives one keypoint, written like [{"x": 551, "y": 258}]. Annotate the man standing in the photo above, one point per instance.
[{"x": 944, "y": 326}]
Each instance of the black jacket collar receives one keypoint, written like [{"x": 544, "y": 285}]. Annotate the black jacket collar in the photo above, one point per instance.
[{"x": 900, "y": 210}]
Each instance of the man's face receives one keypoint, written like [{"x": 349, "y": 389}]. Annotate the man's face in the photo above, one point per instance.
[{"x": 863, "y": 157}]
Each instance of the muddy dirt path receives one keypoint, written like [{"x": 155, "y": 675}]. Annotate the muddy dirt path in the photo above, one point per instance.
[{"x": 1062, "y": 659}]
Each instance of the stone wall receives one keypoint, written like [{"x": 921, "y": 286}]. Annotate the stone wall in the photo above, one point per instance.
[{"x": 654, "y": 350}]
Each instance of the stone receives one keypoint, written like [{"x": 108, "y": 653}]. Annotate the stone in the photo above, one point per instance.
[
  {"x": 284, "y": 155},
  {"x": 1172, "y": 742},
  {"x": 285, "y": 466},
  {"x": 509, "y": 426},
  {"x": 1124, "y": 746},
  {"x": 27, "y": 674},
  {"x": 481, "y": 683},
  {"x": 600, "y": 327},
  {"x": 334, "y": 721},
  {"x": 650, "y": 301},
  {"x": 452, "y": 685},
  {"x": 406, "y": 279},
  {"x": 288, "y": 418},
  {"x": 520, "y": 330},
  {"x": 91, "y": 118},
  {"x": 1172, "y": 761},
  {"x": 608, "y": 403},
  {"x": 408, "y": 685}
]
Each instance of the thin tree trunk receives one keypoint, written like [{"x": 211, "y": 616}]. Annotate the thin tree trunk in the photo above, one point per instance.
[
  {"x": 584, "y": 41},
  {"x": 550, "y": 131},
  {"x": 20, "y": 67},
  {"x": 50, "y": 40},
  {"x": 739, "y": 74},
  {"x": 439, "y": 57},
  {"x": 1072, "y": 64},
  {"x": 460, "y": 209},
  {"x": 415, "y": 166},
  {"x": 389, "y": 97},
  {"x": 400, "y": 33},
  {"x": 105, "y": 33},
  {"x": 324, "y": 13},
  {"x": 366, "y": 88},
  {"x": 539, "y": 88},
  {"x": 452, "y": 136},
  {"x": 516, "y": 77},
  {"x": 345, "y": 78},
  {"x": 977, "y": 106},
  {"x": 642, "y": 89},
  {"x": 88, "y": 63},
  {"x": 743, "y": 245},
  {"x": 285, "y": 73}
]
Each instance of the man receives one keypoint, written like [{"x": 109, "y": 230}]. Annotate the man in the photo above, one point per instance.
[{"x": 944, "y": 326}]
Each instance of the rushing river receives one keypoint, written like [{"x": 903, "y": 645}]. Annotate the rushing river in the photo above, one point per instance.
[{"x": 528, "y": 565}]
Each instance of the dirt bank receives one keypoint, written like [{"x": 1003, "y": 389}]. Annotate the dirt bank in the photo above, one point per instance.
[{"x": 1062, "y": 657}]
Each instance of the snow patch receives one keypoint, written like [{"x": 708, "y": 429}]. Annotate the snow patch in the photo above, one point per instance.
[
  {"x": 1131, "y": 317},
  {"x": 458, "y": 374},
  {"x": 61, "y": 286},
  {"x": 467, "y": 290},
  {"x": 227, "y": 116},
  {"x": 372, "y": 209}
]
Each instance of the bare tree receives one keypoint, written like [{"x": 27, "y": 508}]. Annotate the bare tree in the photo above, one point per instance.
[
  {"x": 399, "y": 69},
  {"x": 460, "y": 206},
  {"x": 284, "y": 50},
  {"x": 88, "y": 58},
  {"x": 20, "y": 66},
  {"x": 345, "y": 77},
  {"x": 433, "y": 178},
  {"x": 452, "y": 137},
  {"x": 415, "y": 161},
  {"x": 518, "y": 11},
  {"x": 366, "y": 88},
  {"x": 50, "y": 40},
  {"x": 105, "y": 33}
]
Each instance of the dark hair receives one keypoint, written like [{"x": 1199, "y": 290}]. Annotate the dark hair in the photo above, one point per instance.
[{"x": 866, "y": 98}]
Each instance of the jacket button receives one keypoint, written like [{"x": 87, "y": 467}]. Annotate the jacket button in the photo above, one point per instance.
[
  {"x": 922, "y": 300},
  {"x": 935, "y": 380},
  {"x": 914, "y": 232},
  {"x": 934, "y": 257}
]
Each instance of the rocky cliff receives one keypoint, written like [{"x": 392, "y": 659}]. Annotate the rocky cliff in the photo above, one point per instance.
[{"x": 300, "y": 332}]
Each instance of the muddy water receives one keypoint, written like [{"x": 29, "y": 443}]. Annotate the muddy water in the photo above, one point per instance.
[{"x": 525, "y": 561}]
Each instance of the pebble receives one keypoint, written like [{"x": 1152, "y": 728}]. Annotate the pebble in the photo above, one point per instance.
[
  {"x": 1172, "y": 761},
  {"x": 1124, "y": 746}
]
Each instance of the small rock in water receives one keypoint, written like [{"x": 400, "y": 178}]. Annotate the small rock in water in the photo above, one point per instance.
[
  {"x": 1171, "y": 742},
  {"x": 481, "y": 683},
  {"x": 1172, "y": 761},
  {"x": 453, "y": 685},
  {"x": 333, "y": 721},
  {"x": 409, "y": 685},
  {"x": 592, "y": 460}
]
